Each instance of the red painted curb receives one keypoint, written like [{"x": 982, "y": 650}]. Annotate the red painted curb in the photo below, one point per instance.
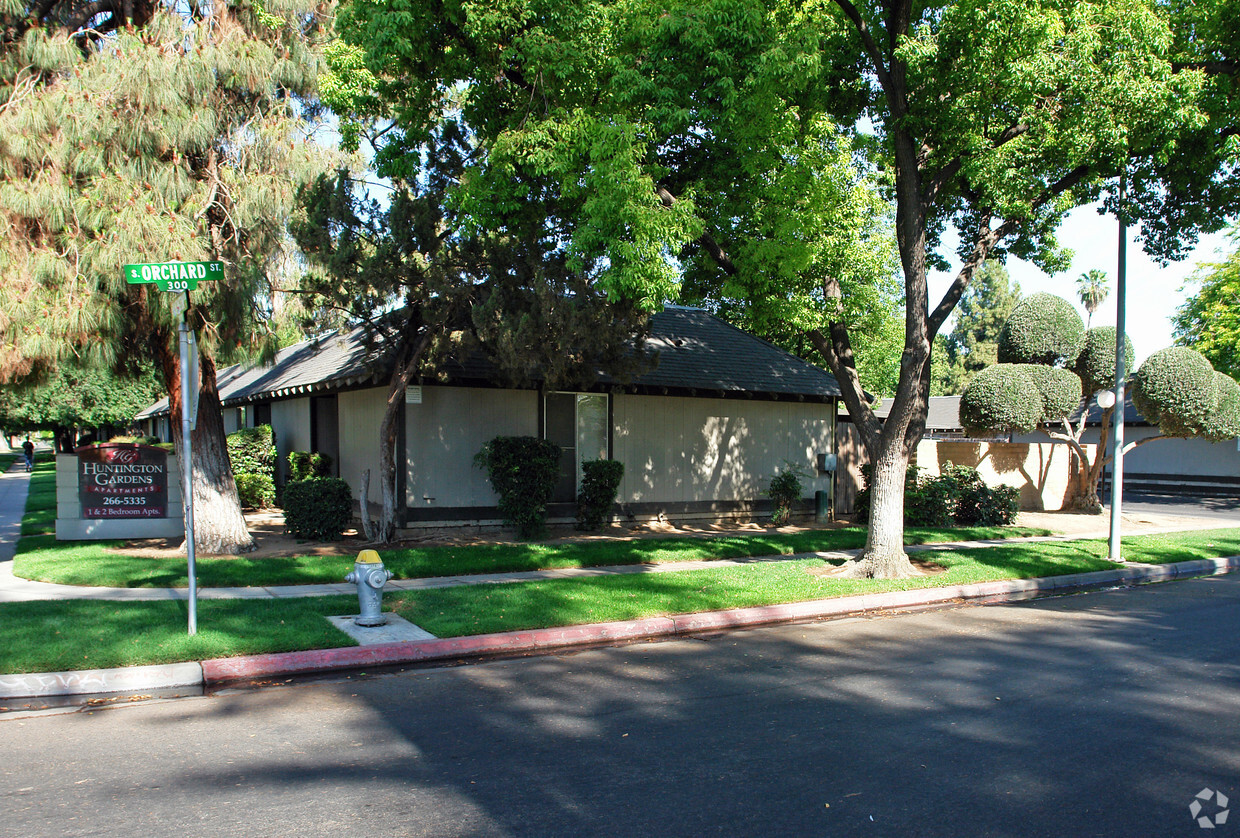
[{"x": 224, "y": 670}]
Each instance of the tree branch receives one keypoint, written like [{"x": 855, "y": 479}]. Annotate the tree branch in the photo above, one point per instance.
[
  {"x": 706, "y": 240},
  {"x": 867, "y": 41},
  {"x": 1226, "y": 67}
]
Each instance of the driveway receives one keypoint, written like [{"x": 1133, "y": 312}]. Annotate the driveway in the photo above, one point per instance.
[{"x": 1183, "y": 506}]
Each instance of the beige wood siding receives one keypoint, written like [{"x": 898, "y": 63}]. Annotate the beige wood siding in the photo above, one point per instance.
[
  {"x": 678, "y": 450},
  {"x": 361, "y": 414},
  {"x": 447, "y": 429},
  {"x": 290, "y": 421}
]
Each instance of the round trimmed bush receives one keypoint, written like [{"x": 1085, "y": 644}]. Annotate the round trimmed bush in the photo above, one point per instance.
[
  {"x": 1096, "y": 362},
  {"x": 1060, "y": 389},
  {"x": 1001, "y": 398},
  {"x": 1042, "y": 329},
  {"x": 1223, "y": 423},
  {"x": 1175, "y": 388}
]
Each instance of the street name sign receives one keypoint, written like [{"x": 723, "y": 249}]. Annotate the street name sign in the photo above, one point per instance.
[{"x": 175, "y": 276}]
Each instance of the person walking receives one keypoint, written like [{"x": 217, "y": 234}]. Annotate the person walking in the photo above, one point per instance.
[{"x": 28, "y": 451}]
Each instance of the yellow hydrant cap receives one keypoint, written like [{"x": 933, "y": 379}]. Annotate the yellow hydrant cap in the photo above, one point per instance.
[{"x": 369, "y": 557}]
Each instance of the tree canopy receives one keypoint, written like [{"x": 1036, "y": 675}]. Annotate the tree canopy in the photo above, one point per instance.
[
  {"x": 739, "y": 150},
  {"x": 1209, "y": 320},
  {"x": 77, "y": 397},
  {"x": 149, "y": 133}
]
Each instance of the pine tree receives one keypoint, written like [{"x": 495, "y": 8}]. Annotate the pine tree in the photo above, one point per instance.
[
  {"x": 131, "y": 133},
  {"x": 973, "y": 342}
]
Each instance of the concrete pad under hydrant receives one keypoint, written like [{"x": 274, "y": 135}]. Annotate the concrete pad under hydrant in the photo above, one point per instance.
[{"x": 396, "y": 630}]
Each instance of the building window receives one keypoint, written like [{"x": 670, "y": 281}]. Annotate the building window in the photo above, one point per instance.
[{"x": 578, "y": 423}]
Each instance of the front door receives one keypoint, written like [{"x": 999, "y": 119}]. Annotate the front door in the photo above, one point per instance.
[{"x": 577, "y": 422}]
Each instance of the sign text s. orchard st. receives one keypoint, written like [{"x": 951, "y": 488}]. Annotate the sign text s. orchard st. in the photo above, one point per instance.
[{"x": 174, "y": 276}]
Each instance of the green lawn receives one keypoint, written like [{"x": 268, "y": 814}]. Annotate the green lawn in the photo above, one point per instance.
[
  {"x": 449, "y": 612},
  {"x": 93, "y": 563},
  {"x": 51, "y": 636},
  {"x": 88, "y": 634},
  {"x": 40, "y": 517}
]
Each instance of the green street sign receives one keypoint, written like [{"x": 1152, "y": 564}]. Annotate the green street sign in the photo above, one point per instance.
[{"x": 175, "y": 276}]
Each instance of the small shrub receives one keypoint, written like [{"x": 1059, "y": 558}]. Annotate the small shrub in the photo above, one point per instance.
[
  {"x": 958, "y": 496},
  {"x": 318, "y": 509},
  {"x": 785, "y": 493},
  {"x": 252, "y": 451},
  {"x": 978, "y": 504},
  {"x": 929, "y": 502},
  {"x": 523, "y": 472},
  {"x": 255, "y": 490},
  {"x": 305, "y": 465},
  {"x": 600, "y": 480}
]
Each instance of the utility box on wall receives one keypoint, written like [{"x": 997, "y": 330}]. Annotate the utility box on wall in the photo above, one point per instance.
[{"x": 118, "y": 490}]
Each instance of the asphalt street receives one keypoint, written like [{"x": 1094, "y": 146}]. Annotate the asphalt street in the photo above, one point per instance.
[
  {"x": 1220, "y": 508},
  {"x": 1098, "y": 714}
]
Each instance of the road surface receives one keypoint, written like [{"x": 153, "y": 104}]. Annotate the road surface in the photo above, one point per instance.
[{"x": 1098, "y": 714}]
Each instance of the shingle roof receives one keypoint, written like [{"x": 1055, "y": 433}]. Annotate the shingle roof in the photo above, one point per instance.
[
  {"x": 696, "y": 351},
  {"x": 943, "y": 415}
]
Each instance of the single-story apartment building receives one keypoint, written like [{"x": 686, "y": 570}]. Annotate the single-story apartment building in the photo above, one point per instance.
[{"x": 700, "y": 435}]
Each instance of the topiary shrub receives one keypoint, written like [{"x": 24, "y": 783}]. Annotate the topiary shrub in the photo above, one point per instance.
[
  {"x": 257, "y": 491},
  {"x": 523, "y": 472},
  {"x": 304, "y": 465},
  {"x": 253, "y": 451},
  {"x": 1095, "y": 364},
  {"x": 600, "y": 480},
  {"x": 318, "y": 509},
  {"x": 1223, "y": 423},
  {"x": 1042, "y": 329},
  {"x": 785, "y": 493},
  {"x": 1175, "y": 389},
  {"x": 1001, "y": 398},
  {"x": 1060, "y": 390}
]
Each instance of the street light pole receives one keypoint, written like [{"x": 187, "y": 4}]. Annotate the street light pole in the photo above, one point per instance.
[{"x": 1117, "y": 431}]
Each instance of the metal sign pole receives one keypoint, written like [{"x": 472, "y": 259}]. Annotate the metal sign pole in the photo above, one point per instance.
[
  {"x": 187, "y": 464},
  {"x": 1117, "y": 435}
]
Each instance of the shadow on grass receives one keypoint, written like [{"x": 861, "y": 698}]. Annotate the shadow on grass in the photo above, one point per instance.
[{"x": 85, "y": 634}]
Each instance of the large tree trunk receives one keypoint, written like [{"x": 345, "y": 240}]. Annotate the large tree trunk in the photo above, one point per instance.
[
  {"x": 884, "y": 556},
  {"x": 219, "y": 525}
]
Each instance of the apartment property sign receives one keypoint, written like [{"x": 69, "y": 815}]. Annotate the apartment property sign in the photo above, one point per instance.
[{"x": 122, "y": 480}]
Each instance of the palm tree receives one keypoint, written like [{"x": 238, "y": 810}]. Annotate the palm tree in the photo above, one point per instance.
[{"x": 1091, "y": 290}]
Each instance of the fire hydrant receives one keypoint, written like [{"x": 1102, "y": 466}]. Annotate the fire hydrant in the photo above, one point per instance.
[{"x": 370, "y": 576}]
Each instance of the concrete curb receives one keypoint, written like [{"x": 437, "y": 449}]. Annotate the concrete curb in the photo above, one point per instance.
[
  {"x": 221, "y": 671},
  {"x": 92, "y": 681}
]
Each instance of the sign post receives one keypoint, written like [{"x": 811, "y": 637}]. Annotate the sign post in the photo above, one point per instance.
[{"x": 183, "y": 277}]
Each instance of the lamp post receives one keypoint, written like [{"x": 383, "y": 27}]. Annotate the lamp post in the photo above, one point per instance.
[{"x": 1115, "y": 552}]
